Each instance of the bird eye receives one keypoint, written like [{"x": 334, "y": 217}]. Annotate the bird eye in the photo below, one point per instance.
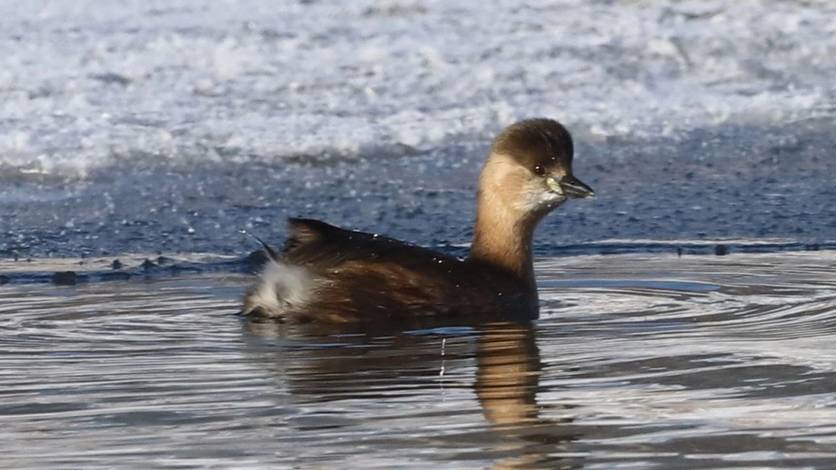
[{"x": 539, "y": 170}]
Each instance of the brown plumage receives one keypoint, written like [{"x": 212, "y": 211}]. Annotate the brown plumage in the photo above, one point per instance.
[{"x": 330, "y": 274}]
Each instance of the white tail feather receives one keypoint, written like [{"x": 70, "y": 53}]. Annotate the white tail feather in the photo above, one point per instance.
[{"x": 281, "y": 287}]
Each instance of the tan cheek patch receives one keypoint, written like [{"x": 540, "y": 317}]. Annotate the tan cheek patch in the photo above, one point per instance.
[
  {"x": 506, "y": 180},
  {"x": 503, "y": 176}
]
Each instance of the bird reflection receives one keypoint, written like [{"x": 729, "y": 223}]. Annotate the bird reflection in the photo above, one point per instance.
[
  {"x": 507, "y": 381},
  {"x": 376, "y": 363}
]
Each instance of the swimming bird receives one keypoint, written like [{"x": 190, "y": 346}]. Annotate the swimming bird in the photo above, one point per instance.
[{"x": 329, "y": 274}]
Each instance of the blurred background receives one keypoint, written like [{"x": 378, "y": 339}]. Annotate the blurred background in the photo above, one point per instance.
[{"x": 168, "y": 126}]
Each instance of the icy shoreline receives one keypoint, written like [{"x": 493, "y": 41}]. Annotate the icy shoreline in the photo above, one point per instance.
[{"x": 89, "y": 85}]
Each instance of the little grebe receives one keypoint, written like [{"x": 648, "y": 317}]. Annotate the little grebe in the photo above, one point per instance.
[{"x": 329, "y": 274}]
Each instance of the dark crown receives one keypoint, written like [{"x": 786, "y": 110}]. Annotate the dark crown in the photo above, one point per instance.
[{"x": 536, "y": 142}]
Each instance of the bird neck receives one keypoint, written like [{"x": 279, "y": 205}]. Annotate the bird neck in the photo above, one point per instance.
[
  {"x": 504, "y": 244},
  {"x": 502, "y": 237}
]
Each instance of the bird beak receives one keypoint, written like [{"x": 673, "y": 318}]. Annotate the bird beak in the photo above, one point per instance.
[
  {"x": 574, "y": 187},
  {"x": 570, "y": 186}
]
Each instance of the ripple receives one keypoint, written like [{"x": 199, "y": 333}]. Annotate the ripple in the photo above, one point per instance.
[{"x": 636, "y": 361}]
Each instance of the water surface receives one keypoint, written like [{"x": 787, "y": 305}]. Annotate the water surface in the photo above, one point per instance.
[{"x": 636, "y": 362}]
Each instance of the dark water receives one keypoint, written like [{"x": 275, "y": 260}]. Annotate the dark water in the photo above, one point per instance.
[
  {"x": 756, "y": 183},
  {"x": 637, "y": 362}
]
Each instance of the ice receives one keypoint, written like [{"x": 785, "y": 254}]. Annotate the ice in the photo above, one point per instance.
[
  {"x": 87, "y": 85},
  {"x": 167, "y": 126}
]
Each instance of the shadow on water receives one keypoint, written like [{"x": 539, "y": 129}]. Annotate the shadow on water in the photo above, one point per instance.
[{"x": 349, "y": 362}]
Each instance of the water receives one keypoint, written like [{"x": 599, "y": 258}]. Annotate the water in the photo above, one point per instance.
[
  {"x": 637, "y": 361},
  {"x": 732, "y": 186}
]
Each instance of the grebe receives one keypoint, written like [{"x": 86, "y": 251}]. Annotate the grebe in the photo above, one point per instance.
[{"x": 328, "y": 274}]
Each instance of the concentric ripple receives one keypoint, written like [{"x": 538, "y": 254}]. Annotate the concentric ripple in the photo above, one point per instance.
[{"x": 637, "y": 361}]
